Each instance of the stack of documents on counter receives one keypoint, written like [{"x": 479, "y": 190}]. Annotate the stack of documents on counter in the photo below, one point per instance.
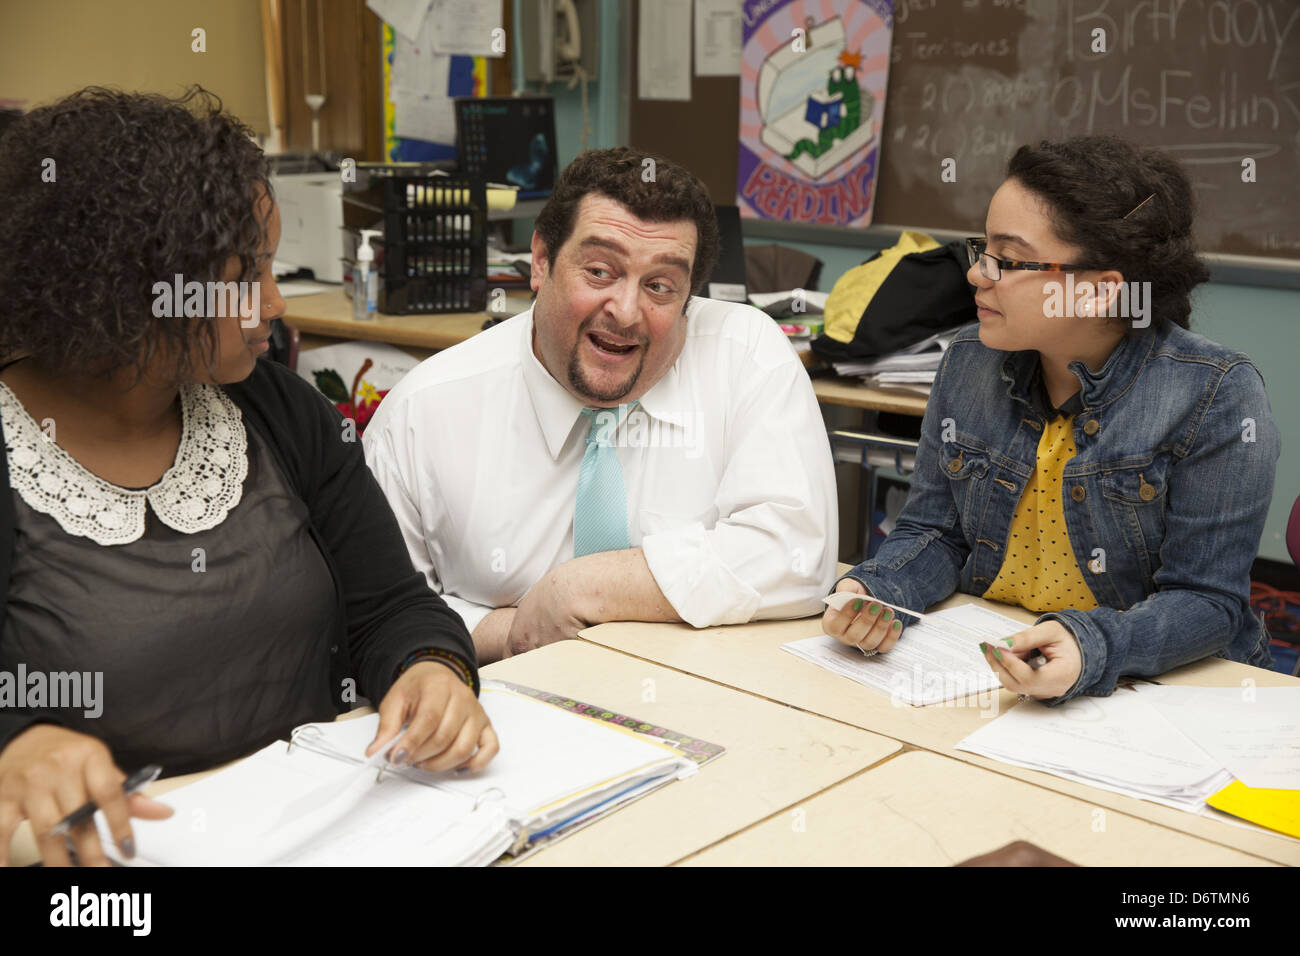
[
  {"x": 1176, "y": 746},
  {"x": 912, "y": 368}
]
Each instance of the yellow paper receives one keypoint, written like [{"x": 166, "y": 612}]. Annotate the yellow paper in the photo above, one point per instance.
[{"x": 1276, "y": 809}]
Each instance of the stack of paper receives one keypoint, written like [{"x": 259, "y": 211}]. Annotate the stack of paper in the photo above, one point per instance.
[
  {"x": 1254, "y": 732},
  {"x": 1120, "y": 743},
  {"x": 1177, "y": 746},
  {"x": 912, "y": 368}
]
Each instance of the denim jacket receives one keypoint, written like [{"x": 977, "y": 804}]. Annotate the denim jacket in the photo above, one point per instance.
[{"x": 1164, "y": 503}]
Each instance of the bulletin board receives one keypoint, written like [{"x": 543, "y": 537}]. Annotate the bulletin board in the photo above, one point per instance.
[{"x": 467, "y": 77}]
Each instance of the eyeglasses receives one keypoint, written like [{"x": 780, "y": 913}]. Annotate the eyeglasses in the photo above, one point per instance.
[{"x": 991, "y": 267}]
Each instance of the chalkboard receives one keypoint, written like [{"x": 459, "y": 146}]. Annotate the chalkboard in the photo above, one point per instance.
[{"x": 1212, "y": 81}]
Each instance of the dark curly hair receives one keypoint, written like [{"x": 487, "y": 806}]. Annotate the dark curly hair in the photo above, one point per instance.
[
  {"x": 143, "y": 187},
  {"x": 1090, "y": 183},
  {"x": 674, "y": 194}
]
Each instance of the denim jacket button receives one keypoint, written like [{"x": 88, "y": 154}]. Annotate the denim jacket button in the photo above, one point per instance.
[
  {"x": 955, "y": 465},
  {"x": 1090, "y": 427},
  {"x": 1077, "y": 492},
  {"x": 1145, "y": 491}
]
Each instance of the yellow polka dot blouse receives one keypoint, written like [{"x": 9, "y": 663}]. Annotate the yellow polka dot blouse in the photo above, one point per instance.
[{"x": 1039, "y": 571}]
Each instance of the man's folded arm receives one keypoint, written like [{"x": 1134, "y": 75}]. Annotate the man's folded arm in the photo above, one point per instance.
[{"x": 772, "y": 551}]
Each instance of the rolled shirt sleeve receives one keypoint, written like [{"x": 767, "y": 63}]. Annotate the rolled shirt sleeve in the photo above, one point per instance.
[{"x": 772, "y": 551}]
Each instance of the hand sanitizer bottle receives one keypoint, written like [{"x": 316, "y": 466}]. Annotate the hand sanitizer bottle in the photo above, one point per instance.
[{"x": 365, "y": 280}]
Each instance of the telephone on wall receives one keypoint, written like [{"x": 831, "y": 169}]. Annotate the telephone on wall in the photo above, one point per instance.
[
  {"x": 554, "y": 32},
  {"x": 568, "y": 34}
]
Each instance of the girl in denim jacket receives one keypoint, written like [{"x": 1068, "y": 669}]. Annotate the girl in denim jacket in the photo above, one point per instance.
[{"x": 1083, "y": 454}]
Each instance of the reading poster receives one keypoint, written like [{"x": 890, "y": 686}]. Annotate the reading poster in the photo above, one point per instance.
[{"x": 812, "y": 104}]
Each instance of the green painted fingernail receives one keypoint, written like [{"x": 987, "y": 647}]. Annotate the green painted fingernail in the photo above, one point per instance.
[
  {"x": 1010, "y": 642},
  {"x": 857, "y": 605},
  {"x": 888, "y": 614},
  {"x": 874, "y": 609},
  {"x": 898, "y": 625},
  {"x": 984, "y": 648},
  {"x": 997, "y": 653}
]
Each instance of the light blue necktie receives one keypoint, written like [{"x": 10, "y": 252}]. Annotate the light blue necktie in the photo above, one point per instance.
[{"x": 600, "y": 511}]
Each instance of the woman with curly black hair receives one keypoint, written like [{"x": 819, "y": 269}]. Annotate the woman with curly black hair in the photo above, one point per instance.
[
  {"x": 190, "y": 529},
  {"x": 1083, "y": 454}
]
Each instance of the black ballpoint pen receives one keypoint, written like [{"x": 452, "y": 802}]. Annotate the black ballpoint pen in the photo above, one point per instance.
[{"x": 141, "y": 778}]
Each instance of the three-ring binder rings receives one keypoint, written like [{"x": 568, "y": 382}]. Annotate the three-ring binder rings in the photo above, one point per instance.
[{"x": 320, "y": 802}]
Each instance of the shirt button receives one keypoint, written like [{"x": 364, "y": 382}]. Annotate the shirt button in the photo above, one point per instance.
[
  {"x": 1090, "y": 427},
  {"x": 1077, "y": 492},
  {"x": 1145, "y": 491}
]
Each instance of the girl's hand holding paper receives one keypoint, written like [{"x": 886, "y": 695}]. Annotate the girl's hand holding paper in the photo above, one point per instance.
[{"x": 863, "y": 622}]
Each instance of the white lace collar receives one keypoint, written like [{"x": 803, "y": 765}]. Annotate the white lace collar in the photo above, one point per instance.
[{"x": 195, "y": 494}]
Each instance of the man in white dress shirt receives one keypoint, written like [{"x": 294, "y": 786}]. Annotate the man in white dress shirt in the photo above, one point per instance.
[{"x": 622, "y": 451}]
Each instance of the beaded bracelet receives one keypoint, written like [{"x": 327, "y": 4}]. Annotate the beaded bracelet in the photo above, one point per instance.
[{"x": 454, "y": 661}]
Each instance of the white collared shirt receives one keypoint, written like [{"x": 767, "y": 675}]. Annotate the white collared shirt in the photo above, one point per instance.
[{"x": 729, "y": 479}]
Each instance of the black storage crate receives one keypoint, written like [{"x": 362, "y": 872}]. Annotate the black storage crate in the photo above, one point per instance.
[{"x": 433, "y": 254}]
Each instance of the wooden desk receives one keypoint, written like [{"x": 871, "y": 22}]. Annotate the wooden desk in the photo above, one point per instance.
[
  {"x": 329, "y": 315},
  {"x": 903, "y": 812},
  {"x": 749, "y": 657},
  {"x": 775, "y": 757}
]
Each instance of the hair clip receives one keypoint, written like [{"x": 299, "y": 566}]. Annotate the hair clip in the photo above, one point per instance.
[{"x": 1139, "y": 205}]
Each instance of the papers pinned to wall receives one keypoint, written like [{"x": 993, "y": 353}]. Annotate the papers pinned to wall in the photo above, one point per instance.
[
  {"x": 467, "y": 27},
  {"x": 404, "y": 16},
  {"x": 717, "y": 38},
  {"x": 427, "y": 116},
  {"x": 663, "y": 61}
]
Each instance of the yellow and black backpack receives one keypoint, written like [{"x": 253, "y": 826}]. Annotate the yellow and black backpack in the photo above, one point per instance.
[{"x": 898, "y": 297}]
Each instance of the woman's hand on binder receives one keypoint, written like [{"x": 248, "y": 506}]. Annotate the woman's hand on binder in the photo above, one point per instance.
[
  {"x": 46, "y": 772},
  {"x": 446, "y": 726},
  {"x": 1010, "y": 659},
  {"x": 863, "y": 624}
]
